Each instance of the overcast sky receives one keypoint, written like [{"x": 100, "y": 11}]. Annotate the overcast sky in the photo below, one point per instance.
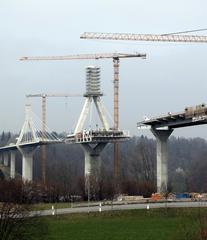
[{"x": 172, "y": 77}]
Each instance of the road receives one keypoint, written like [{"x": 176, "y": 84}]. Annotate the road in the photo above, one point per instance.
[{"x": 119, "y": 207}]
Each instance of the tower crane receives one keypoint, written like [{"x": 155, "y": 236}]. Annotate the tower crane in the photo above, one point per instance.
[
  {"x": 145, "y": 37},
  {"x": 172, "y": 37},
  {"x": 115, "y": 57},
  {"x": 43, "y": 97}
]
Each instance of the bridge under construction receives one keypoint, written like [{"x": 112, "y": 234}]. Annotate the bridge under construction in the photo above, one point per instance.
[
  {"x": 92, "y": 141},
  {"x": 162, "y": 127}
]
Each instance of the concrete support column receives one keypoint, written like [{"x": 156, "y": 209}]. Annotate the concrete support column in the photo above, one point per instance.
[
  {"x": 12, "y": 164},
  {"x": 162, "y": 158},
  {"x": 92, "y": 158},
  {"x": 6, "y": 159},
  {"x": 27, "y": 162},
  {"x": 27, "y": 166}
]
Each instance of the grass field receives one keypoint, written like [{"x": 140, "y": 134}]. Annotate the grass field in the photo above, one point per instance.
[{"x": 159, "y": 224}]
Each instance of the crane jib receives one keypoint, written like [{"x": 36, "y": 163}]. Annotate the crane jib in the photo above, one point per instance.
[{"x": 145, "y": 37}]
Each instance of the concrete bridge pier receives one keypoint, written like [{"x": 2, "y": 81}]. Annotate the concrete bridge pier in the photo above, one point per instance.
[
  {"x": 92, "y": 158},
  {"x": 6, "y": 159},
  {"x": 27, "y": 162},
  {"x": 162, "y": 158},
  {"x": 12, "y": 164}
]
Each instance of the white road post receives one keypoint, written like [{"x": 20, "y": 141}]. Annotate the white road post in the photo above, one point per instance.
[
  {"x": 100, "y": 207},
  {"x": 53, "y": 210}
]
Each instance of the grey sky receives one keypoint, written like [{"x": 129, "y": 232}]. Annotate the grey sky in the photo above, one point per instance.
[{"x": 173, "y": 75}]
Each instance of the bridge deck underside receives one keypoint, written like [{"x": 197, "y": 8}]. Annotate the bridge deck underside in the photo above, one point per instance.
[{"x": 24, "y": 145}]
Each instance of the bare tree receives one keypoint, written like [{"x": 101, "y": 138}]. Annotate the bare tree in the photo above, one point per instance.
[
  {"x": 15, "y": 220},
  {"x": 141, "y": 159}
]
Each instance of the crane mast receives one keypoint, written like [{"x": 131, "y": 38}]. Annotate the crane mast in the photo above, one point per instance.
[
  {"x": 116, "y": 116},
  {"x": 43, "y": 97},
  {"x": 145, "y": 37}
]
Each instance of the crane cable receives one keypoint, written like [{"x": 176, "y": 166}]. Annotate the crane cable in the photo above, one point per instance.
[{"x": 188, "y": 31}]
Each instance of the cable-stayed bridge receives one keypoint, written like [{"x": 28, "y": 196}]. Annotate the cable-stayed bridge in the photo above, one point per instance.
[
  {"x": 92, "y": 141},
  {"x": 31, "y": 136}
]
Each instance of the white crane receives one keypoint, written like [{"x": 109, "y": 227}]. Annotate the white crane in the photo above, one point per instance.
[{"x": 145, "y": 37}]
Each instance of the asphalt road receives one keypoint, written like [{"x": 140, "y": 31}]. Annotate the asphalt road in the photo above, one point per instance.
[{"x": 119, "y": 207}]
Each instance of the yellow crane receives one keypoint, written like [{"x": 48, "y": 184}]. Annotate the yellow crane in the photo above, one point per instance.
[
  {"x": 43, "y": 97},
  {"x": 115, "y": 57}
]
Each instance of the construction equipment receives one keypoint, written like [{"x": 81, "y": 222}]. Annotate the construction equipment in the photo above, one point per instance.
[
  {"x": 145, "y": 37},
  {"x": 172, "y": 37},
  {"x": 84, "y": 56},
  {"x": 43, "y": 96},
  {"x": 115, "y": 57}
]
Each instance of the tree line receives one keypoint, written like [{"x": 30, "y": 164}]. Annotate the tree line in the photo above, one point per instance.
[{"x": 65, "y": 168}]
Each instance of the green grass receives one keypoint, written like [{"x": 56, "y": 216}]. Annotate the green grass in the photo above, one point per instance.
[{"x": 160, "y": 224}]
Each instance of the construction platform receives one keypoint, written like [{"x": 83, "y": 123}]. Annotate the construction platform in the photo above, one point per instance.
[
  {"x": 98, "y": 136},
  {"x": 191, "y": 116}
]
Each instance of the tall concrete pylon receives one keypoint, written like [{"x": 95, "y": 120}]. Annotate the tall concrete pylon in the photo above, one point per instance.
[
  {"x": 93, "y": 95},
  {"x": 92, "y": 157},
  {"x": 28, "y": 132},
  {"x": 27, "y": 135},
  {"x": 162, "y": 158}
]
